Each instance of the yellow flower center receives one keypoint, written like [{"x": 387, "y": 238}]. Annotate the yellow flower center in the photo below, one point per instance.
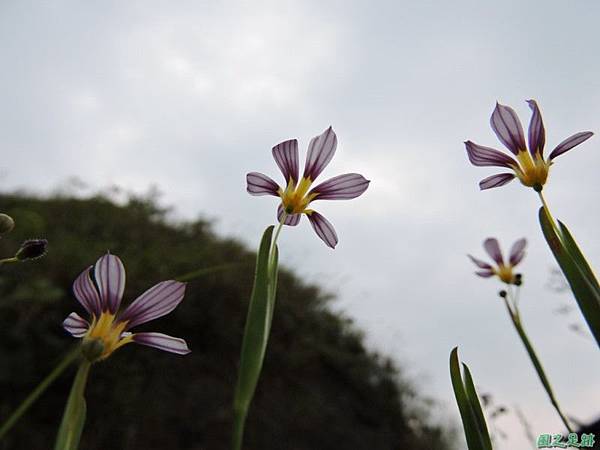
[
  {"x": 107, "y": 331},
  {"x": 532, "y": 171},
  {"x": 505, "y": 273},
  {"x": 295, "y": 198}
]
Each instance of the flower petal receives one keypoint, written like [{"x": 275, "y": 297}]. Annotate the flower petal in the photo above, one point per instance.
[
  {"x": 492, "y": 248},
  {"x": 485, "y": 273},
  {"x": 291, "y": 219},
  {"x": 507, "y": 127},
  {"x": 537, "y": 134},
  {"x": 162, "y": 342},
  {"x": 517, "y": 251},
  {"x": 86, "y": 292},
  {"x": 156, "y": 302},
  {"x": 570, "y": 142},
  {"x": 320, "y": 151},
  {"x": 110, "y": 278},
  {"x": 485, "y": 156},
  {"x": 479, "y": 263},
  {"x": 496, "y": 181},
  {"x": 76, "y": 325},
  {"x": 342, "y": 187},
  {"x": 323, "y": 228},
  {"x": 260, "y": 184},
  {"x": 286, "y": 157}
]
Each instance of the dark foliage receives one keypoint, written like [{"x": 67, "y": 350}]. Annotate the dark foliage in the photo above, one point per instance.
[{"x": 321, "y": 389}]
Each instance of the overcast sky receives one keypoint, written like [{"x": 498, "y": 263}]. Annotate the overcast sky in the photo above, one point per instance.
[{"x": 190, "y": 96}]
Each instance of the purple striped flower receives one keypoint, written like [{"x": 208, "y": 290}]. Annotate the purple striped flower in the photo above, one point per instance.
[
  {"x": 504, "y": 270},
  {"x": 99, "y": 289},
  {"x": 297, "y": 194},
  {"x": 528, "y": 165}
]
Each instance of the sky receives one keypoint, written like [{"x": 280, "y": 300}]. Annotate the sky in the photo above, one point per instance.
[{"x": 190, "y": 96}]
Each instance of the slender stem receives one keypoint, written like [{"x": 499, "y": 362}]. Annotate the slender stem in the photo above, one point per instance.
[
  {"x": 73, "y": 418},
  {"x": 239, "y": 420},
  {"x": 548, "y": 214},
  {"x": 513, "y": 312},
  {"x": 274, "y": 243},
  {"x": 8, "y": 260},
  {"x": 39, "y": 390}
]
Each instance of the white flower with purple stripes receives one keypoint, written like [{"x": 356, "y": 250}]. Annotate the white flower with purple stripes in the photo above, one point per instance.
[
  {"x": 529, "y": 167},
  {"x": 99, "y": 289},
  {"x": 297, "y": 195},
  {"x": 504, "y": 270}
]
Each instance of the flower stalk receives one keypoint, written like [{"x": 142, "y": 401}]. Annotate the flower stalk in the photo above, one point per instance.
[
  {"x": 510, "y": 300},
  {"x": 71, "y": 427}
]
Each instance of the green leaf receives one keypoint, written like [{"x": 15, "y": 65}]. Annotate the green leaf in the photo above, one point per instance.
[
  {"x": 476, "y": 407},
  {"x": 466, "y": 398},
  {"x": 577, "y": 271},
  {"x": 256, "y": 332},
  {"x": 71, "y": 426}
]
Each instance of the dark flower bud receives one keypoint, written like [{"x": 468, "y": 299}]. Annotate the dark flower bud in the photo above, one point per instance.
[
  {"x": 32, "y": 249},
  {"x": 6, "y": 224},
  {"x": 502, "y": 293},
  {"x": 518, "y": 279}
]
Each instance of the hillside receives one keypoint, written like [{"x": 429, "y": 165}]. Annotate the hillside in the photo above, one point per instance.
[{"x": 321, "y": 389}]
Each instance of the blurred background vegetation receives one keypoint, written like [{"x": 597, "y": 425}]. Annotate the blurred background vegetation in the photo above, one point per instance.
[{"x": 320, "y": 389}]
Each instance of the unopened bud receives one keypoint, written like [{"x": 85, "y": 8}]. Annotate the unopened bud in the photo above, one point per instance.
[
  {"x": 502, "y": 293},
  {"x": 518, "y": 279},
  {"x": 6, "y": 224},
  {"x": 32, "y": 249}
]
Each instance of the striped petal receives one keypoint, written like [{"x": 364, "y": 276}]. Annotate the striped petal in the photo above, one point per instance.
[
  {"x": 86, "y": 293},
  {"x": 260, "y": 184},
  {"x": 479, "y": 263},
  {"x": 342, "y": 187},
  {"x": 156, "y": 302},
  {"x": 110, "y": 278},
  {"x": 507, "y": 127},
  {"x": 320, "y": 151},
  {"x": 162, "y": 342},
  {"x": 570, "y": 142},
  {"x": 323, "y": 228},
  {"x": 485, "y": 273},
  {"x": 286, "y": 157},
  {"x": 537, "y": 133},
  {"x": 485, "y": 156},
  {"x": 492, "y": 248},
  {"x": 76, "y": 325},
  {"x": 517, "y": 251},
  {"x": 291, "y": 219},
  {"x": 496, "y": 181}
]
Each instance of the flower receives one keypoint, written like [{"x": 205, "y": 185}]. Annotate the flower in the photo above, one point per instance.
[
  {"x": 529, "y": 167},
  {"x": 502, "y": 270},
  {"x": 99, "y": 289},
  {"x": 296, "y": 196}
]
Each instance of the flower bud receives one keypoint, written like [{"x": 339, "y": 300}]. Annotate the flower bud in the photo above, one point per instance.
[
  {"x": 502, "y": 293},
  {"x": 6, "y": 224},
  {"x": 32, "y": 249}
]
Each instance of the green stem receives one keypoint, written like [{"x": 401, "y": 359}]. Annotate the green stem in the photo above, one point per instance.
[
  {"x": 549, "y": 215},
  {"x": 274, "y": 243},
  {"x": 73, "y": 418},
  {"x": 239, "y": 420},
  {"x": 516, "y": 320},
  {"x": 8, "y": 260},
  {"x": 39, "y": 390}
]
